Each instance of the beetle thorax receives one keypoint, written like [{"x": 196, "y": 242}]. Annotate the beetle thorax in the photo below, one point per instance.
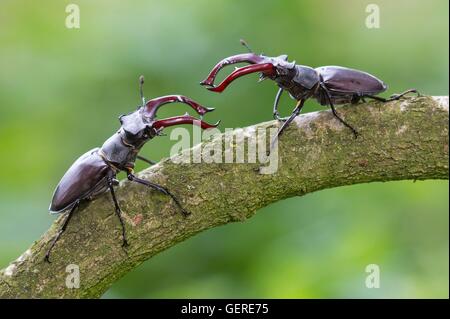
[{"x": 122, "y": 148}]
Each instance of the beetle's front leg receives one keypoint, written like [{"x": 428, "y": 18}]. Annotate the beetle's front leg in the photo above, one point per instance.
[
  {"x": 111, "y": 183},
  {"x": 286, "y": 123},
  {"x": 276, "y": 115}
]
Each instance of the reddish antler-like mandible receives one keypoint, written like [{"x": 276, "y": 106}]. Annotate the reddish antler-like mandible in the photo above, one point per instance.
[
  {"x": 152, "y": 106},
  {"x": 184, "y": 119},
  {"x": 245, "y": 57},
  {"x": 266, "y": 68}
]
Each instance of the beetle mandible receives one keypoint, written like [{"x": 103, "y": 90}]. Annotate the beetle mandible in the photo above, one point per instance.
[
  {"x": 95, "y": 171},
  {"x": 329, "y": 85}
]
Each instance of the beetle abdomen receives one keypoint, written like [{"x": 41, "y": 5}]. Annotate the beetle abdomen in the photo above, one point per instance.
[
  {"x": 86, "y": 177},
  {"x": 345, "y": 80}
]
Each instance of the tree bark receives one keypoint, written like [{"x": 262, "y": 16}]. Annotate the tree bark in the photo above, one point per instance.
[{"x": 405, "y": 139}]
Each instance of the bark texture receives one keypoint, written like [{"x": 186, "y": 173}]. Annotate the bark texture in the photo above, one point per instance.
[{"x": 406, "y": 139}]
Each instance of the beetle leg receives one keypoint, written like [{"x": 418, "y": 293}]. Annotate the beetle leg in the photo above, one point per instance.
[
  {"x": 142, "y": 158},
  {"x": 355, "y": 132},
  {"x": 377, "y": 98},
  {"x": 295, "y": 112},
  {"x": 159, "y": 188},
  {"x": 276, "y": 115},
  {"x": 393, "y": 97},
  {"x": 327, "y": 93},
  {"x": 118, "y": 213},
  {"x": 398, "y": 96},
  {"x": 61, "y": 231}
]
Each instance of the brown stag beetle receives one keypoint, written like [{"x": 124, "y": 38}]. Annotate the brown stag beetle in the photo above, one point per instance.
[
  {"x": 329, "y": 85},
  {"x": 95, "y": 171}
]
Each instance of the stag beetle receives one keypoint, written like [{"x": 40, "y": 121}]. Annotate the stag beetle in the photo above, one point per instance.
[
  {"x": 95, "y": 171},
  {"x": 329, "y": 85}
]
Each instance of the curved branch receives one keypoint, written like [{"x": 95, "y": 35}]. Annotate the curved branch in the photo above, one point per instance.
[{"x": 406, "y": 139}]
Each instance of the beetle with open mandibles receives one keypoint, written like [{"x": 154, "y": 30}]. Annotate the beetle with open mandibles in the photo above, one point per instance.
[
  {"x": 95, "y": 171},
  {"x": 329, "y": 85}
]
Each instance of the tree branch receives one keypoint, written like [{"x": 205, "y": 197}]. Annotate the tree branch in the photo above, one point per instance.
[{"x": 406, "y": 139}]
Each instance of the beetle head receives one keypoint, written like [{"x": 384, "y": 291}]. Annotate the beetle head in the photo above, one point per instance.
[
  {"x": 136, "y": 129},
  {"x": 281, "y": 64}
]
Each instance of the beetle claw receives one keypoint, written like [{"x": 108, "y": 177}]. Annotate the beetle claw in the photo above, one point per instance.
[
  {"x": 206, "y": 83},
  {"x": 159, "y": 132},
  {"x": 185, "y": 212},
  {"x": 47, "y": 259}
]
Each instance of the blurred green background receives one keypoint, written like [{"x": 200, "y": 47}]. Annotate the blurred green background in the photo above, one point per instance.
[{"x": 61, "y": 91}]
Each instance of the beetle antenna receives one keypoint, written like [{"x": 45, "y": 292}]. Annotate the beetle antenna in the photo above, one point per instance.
[
  {"x": 141, "y": 89},
  {"x": 245, "y": 44}
]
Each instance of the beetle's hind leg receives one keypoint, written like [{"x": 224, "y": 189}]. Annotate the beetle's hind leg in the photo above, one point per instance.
[
  {"x": 61, "y": 231},
  {"x": 393, "y": 97},
  {"x": 159, "y": 188},
  {"x": 398, "y": 96},
  {"x": 111, "y": 183}
]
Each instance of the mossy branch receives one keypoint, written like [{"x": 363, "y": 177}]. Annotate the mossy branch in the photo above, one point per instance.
[{"x": 406, "y": 139}]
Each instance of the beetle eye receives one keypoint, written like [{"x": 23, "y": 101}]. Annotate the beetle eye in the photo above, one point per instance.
[{"x": 120, "y": 118}]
